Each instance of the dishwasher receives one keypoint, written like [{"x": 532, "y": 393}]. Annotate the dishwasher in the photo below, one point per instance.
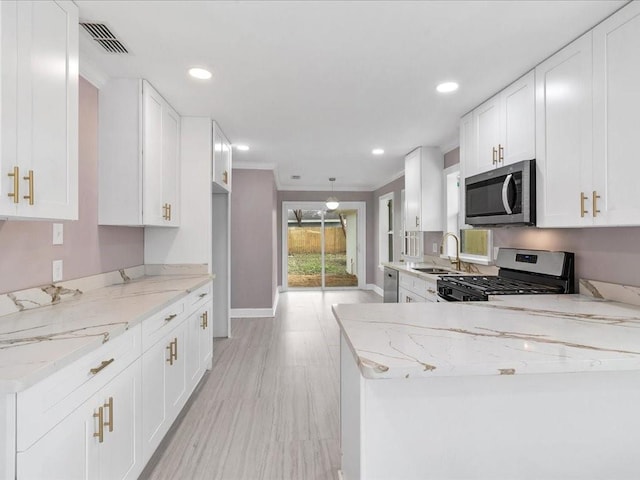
[{"x": 390, "y": 285}]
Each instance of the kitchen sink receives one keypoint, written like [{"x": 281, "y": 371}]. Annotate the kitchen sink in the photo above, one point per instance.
[{"x": 436, "y": 271}]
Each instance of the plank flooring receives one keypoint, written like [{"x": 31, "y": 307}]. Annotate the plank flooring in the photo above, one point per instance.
[{"x": 269, "y": 408}]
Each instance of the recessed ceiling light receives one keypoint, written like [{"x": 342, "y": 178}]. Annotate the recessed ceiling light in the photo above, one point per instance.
[
  {"x": 200, "y": 73},
  {"x": 377, "y": 151},
  {"x": 242, "y": 148},
  {"x": 447, "y": 87}
]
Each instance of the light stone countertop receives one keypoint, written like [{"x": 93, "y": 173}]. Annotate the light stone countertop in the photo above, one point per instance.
[
  {"x": 511, "y": 334},
  {"x": 35, "y": 343}
]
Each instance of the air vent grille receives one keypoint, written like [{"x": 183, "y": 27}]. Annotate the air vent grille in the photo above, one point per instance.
[{"x": 101, "y": 34}]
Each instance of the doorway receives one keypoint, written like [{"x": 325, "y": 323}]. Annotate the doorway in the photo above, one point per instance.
[{"x": 323, "y": 249}]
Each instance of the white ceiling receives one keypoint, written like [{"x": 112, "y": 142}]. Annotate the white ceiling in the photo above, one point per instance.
[{"x": 313, "y": 86}]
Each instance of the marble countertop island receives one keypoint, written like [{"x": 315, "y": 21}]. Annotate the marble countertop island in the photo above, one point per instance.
[
  {"x": 37, "y": 342},
  {"x": 508, "y": 335}
]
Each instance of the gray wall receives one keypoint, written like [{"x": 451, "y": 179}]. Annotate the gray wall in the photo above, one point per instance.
[
  {"x": 253, "y": 249},
  {"x": 88, "y": 249},
  {"x": 367, "y": 197}
]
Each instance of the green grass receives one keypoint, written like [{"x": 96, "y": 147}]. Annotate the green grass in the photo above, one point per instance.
[{"x": 310, "y": 264}]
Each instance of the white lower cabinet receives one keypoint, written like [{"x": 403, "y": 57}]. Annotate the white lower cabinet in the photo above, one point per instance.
[
  {"x": 412, "y": 289},
  {"x": 103, "y": 416},
  {"x": 99, "y": 440}
]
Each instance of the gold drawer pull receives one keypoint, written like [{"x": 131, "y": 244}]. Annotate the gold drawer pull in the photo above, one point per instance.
[
  {"x": 100, "y": 432},
  {"x": 103, "y": 365},
  {"x": 170, "y": 348},
  {"x": 583, "y": 211},
  {"x": 16, "y": 185},
  {"x": 595, "y": 203},
  {"x": 175, "y": 349},
  {"x": 202, "y": 295},
  {"x": 500, "y": 153},
  {"x": 205, "y": 320},
  {"x": 170, "y": 317},
  {"x": 109, "y": 405},
  {"x": 494, "y": 159},
  {"x": 30, "y": 197},
  {"x": 225, "y": 177}
]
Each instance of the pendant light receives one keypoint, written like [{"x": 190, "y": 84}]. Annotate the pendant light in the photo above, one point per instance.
[{"x": 332, "y": 202}]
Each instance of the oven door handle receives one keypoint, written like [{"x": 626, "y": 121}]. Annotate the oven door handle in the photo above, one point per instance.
[{"x": 505, "y": 194}]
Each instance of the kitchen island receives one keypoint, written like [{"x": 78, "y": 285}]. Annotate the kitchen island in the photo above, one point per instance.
[{"x": 539, "y": 387}]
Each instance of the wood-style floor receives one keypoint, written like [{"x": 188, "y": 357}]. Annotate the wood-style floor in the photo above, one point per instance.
[{"x": 269, "y": 409}]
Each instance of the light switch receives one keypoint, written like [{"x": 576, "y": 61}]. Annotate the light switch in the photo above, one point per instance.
[
  {"x": 57, "y": 233},
  {"x": 57, "y": 271}
]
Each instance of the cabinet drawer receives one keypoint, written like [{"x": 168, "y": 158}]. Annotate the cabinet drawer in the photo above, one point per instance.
[
  {"x": 199, "y": 297},
  {"x": 413, "y": 284},
  {"x": 159, "y": 325},
  {"x": 47, "y": 403}
]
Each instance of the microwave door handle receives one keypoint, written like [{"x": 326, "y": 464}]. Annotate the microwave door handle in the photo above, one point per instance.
[{"x": 505, "y": 194}]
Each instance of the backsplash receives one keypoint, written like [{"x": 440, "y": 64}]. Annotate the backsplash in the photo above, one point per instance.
[{"x": 88, "y": 249}]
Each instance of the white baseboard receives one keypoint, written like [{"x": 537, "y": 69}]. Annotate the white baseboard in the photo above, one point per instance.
[
  {"x": 257, "y": 312},
  {"x": 375, "y": 288}
]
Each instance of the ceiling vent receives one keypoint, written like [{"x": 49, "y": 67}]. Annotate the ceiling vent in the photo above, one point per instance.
[{"x": 101, "y": 34}]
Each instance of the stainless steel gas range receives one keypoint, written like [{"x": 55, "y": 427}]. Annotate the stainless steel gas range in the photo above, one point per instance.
[{"x": 522, "y": 272}]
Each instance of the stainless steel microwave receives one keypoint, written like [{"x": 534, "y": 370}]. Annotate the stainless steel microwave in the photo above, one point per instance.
[{"x": 502, "y": 196}]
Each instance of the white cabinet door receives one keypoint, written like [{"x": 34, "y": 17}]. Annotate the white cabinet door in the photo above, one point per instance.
[
  {"x": 488, "y": 136},
  {"x": 39, "y": 101},
  {"x": 221, "y": 160},
  {"x": 564, "y": 135},
  {"x": 171, "y": 164},
  {"x": 175, "y": 373},
  {"x": 412, "y": 188},
  {"x": 518, "y": 100},
  {"x": 206, "y": 340},
  {"x": 63, "y": 453},
  {"x": 616, "y": 54},
  {"x": 431, "y": 166},
  {"x": 154, "y": 408}
]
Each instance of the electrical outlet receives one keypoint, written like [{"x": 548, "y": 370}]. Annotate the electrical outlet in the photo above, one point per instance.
[
  {"x": 57, "y": 271},
  {"x": 434, "y": 247},
  {"x": 57, "y": 233}
]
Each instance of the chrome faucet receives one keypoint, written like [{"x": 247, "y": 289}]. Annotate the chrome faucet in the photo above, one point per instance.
[{"x": 455, "y": 262}]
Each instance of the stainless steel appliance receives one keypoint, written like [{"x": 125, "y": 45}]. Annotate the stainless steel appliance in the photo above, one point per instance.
[
  {"x": 522, "y": 272},
  {"x": 390, "y": 285},
  {"x": 502, "y": 196}
]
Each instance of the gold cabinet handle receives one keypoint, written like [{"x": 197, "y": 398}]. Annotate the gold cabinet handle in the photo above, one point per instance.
[
  {"x": 170, "y": 348},
  {"x": 204, "y": 320},
  {"x": 29, "y": 178},
  {"x": 494, "y": 156},
  {"x": 169, "y": 213},
  {"x": 583, "y": 197},
  {"x": 166, "y": 211},
  {"x": 109, "y": 405},
  {"x": 170, "y": 317},
  {"x": 595, "y": 198},
  {"x": 104, "y": 364},
  {"x": 100, "y": 417},
  {"x": 225, "y": 177},
  {"x": 175, "y": 349},
  {"x": 202, "y": 295},
  {"x": 500, "y": 153},
  {"x": 16, "y": 184}
]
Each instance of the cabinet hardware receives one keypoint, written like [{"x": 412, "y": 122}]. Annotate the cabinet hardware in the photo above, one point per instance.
[
  {"x": 202, "y": 295},
  {"x": 166, "y": 211},
  {"x": 205, "y": 320},
  {"x": 170, "y": 317},
  {"x": 109, "y": 405},
  {"x": 175, "y": 349},
  {"x": 595, "y": 204},
  {"x": 500, "y": 153},
  {"x": 170, "y": 348},
  {"x": 583, "y": 197},
  {"x": 16, "y": 184},
  {"x": 417, "y": 221},
  {"x": 100, "y": 417},
  {"x": 225, "y": 177},
  {"x": 104, "y": 364},
  {"x": 29, "y": 178},
  {"x": 494, "y": 156},
  {"x": 169, "y": 213}
]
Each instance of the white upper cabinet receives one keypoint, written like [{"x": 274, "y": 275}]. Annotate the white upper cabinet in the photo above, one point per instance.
[
  {"x": 467, "y": 147},
  {"x": 564, "y": 136},
  {"x": 504, "y": 128},
  {"x": 423, "y": 189},
  {"x": 221, "y": 167},
  {"x": 39, "y": 101},
  {"x": 616, "y": 135},
  {"x": 139, "y": 156}
]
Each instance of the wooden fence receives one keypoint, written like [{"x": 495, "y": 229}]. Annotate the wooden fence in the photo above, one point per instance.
[{"x": 308, "y": 240}]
